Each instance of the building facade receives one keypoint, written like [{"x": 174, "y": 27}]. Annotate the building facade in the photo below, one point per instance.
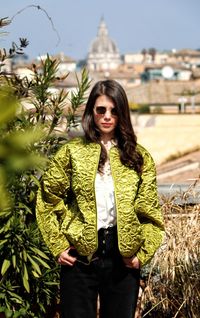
[{"x": 103, "y": 53}]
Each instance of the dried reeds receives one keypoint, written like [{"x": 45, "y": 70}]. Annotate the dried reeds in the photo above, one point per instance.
[{"x": 173, "y": 286}]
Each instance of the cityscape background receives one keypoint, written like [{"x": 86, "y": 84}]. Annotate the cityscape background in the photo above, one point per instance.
[{"x": 151, "y": 47}]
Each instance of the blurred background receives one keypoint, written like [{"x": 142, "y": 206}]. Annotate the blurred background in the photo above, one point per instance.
[{"x": 151, "y": 47}]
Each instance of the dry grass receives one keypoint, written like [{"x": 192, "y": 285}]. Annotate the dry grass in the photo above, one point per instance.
[{"x": 173, "y": 286}]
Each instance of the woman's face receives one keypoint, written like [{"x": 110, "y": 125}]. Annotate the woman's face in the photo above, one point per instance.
[{"x": 105, "y": 117}]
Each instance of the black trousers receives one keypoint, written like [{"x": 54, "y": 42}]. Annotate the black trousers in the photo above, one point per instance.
[{"x": 106, "y": 276}]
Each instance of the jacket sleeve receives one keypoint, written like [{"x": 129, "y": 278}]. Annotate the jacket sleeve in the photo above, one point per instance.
[
  {"x": 148, "y": 211},
  {"x": 50, "y": 207}
]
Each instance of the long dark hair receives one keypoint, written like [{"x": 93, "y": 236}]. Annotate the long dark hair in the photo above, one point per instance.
[{"x": 124, "y": 133}]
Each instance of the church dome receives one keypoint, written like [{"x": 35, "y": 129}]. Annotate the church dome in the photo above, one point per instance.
[
  {"x": 103, "y": 53},
  {"x": 103, "y": 43}
]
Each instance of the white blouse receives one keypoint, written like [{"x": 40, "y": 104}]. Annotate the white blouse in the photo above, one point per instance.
[{"x": 105, "y": 197}]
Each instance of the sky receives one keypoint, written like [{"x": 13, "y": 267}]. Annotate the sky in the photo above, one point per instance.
[{"x": 71, "y": 26}]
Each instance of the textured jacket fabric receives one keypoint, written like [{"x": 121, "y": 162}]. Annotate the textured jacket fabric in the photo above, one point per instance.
[{"x": 66, "y": 207}]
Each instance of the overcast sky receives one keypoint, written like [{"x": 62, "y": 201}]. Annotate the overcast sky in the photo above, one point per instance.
[{"x": 132, "y": 24}]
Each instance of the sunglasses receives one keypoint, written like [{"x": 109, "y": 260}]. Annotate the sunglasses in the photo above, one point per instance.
[{"x": 101, "y": 110}]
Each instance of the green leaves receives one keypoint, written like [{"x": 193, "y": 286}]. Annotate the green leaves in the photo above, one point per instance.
[
  {"x": 8, "y": 105},
  {"x": 29, "y": 274},
  {"x": 17, "y": 152},
  {"x": 78, "y": 98},
  {"x": 5, "y": 266},
  {"x": 25, "y": 278},
  {"x": 25, "y": 259}
]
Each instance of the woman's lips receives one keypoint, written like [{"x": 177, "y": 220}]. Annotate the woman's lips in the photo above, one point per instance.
[{"x": 106, "y": 124}]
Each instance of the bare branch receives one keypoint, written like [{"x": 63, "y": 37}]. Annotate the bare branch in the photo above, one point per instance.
[{"x": 47, "y": 15}]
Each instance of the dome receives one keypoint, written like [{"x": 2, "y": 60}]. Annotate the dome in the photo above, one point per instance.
[
  {"x": 103, "y": 53},
  {"x": 103, "y": 43}
]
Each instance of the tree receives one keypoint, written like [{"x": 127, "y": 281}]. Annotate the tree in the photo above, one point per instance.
[
  {"x": 144, "y": 53},
  {"x": 29, "y": 275},
  {"x": 152, "y": 52}
]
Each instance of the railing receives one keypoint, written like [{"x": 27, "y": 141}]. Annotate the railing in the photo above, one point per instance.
[{"x": 180, "y": 193}]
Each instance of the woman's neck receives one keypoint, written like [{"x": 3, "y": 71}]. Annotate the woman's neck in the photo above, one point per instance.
[{"x": 107, "y": 138}]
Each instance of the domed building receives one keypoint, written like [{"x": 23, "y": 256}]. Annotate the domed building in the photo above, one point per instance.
[{"x": 103, "y": 54}]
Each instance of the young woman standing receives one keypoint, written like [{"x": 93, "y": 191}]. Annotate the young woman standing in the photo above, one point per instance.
[{"x": 98, "y": 210}]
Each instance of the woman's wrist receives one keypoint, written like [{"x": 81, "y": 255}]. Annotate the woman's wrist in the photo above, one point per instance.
[{"x": 132, "y": 262}]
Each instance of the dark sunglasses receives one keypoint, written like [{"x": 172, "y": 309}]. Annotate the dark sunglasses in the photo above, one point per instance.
[{"x": 101, "y": 110}]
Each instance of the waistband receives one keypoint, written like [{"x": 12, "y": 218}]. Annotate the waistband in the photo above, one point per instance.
[
  {"x": 111, "y": 230},
  {"x": 107, "y": 246}
]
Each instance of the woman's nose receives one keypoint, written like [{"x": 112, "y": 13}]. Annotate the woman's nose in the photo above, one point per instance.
[{"x": 107, "y": 114}]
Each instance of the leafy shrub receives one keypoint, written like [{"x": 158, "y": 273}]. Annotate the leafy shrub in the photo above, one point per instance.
[
  {"x": 29, "y": 275},
  {"x": 144, "y": 109},
  {"x": 133, "y": 106}
]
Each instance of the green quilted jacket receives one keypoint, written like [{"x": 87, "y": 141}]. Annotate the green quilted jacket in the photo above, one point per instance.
[{"x": 66, "y": 207}]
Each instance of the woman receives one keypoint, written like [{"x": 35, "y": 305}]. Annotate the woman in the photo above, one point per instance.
[{"x": 98, "y": 210}]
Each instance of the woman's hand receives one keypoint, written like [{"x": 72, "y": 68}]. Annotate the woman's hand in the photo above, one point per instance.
[
  {"x": 132, "y": 262},
  {"x": 66, "y": 259}
]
